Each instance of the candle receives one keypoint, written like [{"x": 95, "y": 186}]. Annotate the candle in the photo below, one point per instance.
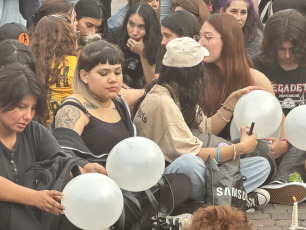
[{"x": 295, "y": 213}]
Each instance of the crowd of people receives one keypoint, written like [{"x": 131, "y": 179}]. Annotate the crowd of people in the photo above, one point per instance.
[{"x": 168, "y": 70}]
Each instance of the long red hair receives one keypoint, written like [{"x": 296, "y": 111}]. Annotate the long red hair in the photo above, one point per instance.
[{"x": 233, "y": 69}]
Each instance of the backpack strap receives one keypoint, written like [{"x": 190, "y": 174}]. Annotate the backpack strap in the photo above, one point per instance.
[
  {"x": 77, "y": 103},
  {"x": 124, "y": 114},
  {"x": 268, "y": 7},
  {"x": 67, "y": 101}
]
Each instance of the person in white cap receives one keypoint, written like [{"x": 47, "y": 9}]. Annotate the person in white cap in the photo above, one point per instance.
[{"x": 169, "y": 115}]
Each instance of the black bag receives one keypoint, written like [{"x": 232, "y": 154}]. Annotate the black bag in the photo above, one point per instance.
[
  {"x": 51, "y": 174},
  {"x": 142, "y": 209},
  {"x": 224, "y": 185}
]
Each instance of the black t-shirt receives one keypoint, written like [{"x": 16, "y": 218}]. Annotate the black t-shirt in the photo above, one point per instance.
[
  {"x": 289, "y": 85},
  {"x": 34, "y": 144},
  {"x": 132, "y": 68}
]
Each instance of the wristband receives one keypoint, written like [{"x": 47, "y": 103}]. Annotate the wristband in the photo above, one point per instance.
[
  {"x": 228, "y": 109},
  {"x": 218, "y": 155},
  {"x": 288, "y": 143},
  {"x": 234, "y": 151}
]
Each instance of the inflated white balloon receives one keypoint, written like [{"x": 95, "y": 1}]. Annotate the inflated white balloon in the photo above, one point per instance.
[
  {"x": 93, "y": 201},
  {"x": 235, "y": 133},
  {"x": 261, "y": 107},
  {"x": 295, "y": 127},
  {"x": 135, "y": 163}
]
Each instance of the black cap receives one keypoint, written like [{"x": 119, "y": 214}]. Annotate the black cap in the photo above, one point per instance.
[{"x": 16, "y": 31}]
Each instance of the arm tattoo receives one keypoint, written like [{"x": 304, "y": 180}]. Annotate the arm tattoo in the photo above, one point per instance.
[{"x": 67, "y": 117}]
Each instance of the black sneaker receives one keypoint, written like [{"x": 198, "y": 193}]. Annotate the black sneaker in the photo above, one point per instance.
[
  {"x": 257, "y": 199},
  {"x": 180, "y": 222}
]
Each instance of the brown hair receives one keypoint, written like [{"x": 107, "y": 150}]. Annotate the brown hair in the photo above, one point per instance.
[
  {"x": 233, "y": 70},
  {"x": 219, "y": 218},
  {"x": 286, "y": 25},
  {"x": 197, "y": 7},
  {"x": 53, "y": 7},
  {"x": 53, "y": 39}
]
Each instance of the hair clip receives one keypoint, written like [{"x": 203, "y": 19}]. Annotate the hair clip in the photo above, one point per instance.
[{"x": 60, "y": 17}]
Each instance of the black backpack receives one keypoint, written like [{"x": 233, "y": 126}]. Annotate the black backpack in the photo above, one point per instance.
[{"x": 51, "y": 174}]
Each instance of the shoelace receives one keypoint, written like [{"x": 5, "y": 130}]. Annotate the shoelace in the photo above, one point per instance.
[{"x": 251, "y": 203}]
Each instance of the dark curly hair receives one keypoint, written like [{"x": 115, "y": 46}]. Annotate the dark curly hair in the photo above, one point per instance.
[{"x": 286, "y": 25}]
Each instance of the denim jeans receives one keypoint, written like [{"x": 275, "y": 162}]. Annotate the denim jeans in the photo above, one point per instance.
[
  {"x": 291, "y": 162},
  {"x": 117, "y": 19},
  {"x": 9, "y": 12},
  {"x": 164, "y": 8},
  {"x": 255, "y": 169}
]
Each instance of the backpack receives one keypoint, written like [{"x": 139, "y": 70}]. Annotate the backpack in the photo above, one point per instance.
[
  {"x": 143, "y": 210},
  {"x": 51, "y": 174}
]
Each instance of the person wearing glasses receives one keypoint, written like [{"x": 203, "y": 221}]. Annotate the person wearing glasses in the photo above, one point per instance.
[
  {"x": 170, "y": 115},
  {"x": 228, "y": 69},
  {"x": 228, "y": 66}
]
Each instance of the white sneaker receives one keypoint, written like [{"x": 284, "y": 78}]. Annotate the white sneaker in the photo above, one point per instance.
[
  {"x": 257, "y": 199},
  {"x": 283, "y": 192}
]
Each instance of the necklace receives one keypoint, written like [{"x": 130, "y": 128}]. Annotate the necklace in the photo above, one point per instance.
[{"x": 104, "y": 106}]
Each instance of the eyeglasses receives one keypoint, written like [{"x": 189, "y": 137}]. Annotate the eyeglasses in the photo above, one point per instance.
[{"x": 206, "y": 37}]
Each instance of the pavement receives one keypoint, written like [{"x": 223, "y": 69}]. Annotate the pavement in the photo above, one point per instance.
[
  {"x": 271, "y": 216},
  {"x": 276, "y": 217}
]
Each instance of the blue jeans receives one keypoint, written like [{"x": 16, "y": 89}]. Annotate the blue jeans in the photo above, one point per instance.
[
  {"x": 255, "y": 169},
  {"x": 9, "y": 12},
  {"x": 164, "y": 8}
]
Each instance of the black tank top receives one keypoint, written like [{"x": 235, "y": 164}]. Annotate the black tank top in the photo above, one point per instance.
[{"x": 100, "y": 137}]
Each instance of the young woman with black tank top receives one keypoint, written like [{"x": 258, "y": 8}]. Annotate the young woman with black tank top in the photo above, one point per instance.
[{"x": 95, "y": 111}]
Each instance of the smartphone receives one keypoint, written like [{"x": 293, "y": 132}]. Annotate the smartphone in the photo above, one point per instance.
[{"x": 251, "y": 129}]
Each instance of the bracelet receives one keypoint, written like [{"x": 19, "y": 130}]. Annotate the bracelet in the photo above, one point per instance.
[
  {"x": 218, "y": 155},
  {"x": 229, "y": 105},
  {"x": 235, "y": 153},
  {"x": 220, "y": 114},
  {"x": 288, "y": 143},
  {"x": 228, "y": 109}
]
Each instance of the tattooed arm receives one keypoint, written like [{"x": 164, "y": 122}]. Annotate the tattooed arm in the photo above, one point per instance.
[{"x": 71, "y": 117}]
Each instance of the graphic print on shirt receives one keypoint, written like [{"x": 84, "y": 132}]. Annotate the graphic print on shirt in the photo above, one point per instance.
[
  {"x": 60, "y": 82},
  {"x": 290, "y": 95},
  {"x": 132, "y": 63}
]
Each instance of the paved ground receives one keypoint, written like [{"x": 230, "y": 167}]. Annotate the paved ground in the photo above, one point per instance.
[
  {"x": 276, "y": 217},
  {"x": 272, "y": 216}
]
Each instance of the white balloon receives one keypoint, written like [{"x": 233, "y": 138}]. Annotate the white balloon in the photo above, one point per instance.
[
  {"x": 261, "y": 107},
  {"x": 93, "y": 201},
  {"x": 135, "y": 163},
  {"x": 295, "y": 127},
  {"x": 235, "y": 133}
]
